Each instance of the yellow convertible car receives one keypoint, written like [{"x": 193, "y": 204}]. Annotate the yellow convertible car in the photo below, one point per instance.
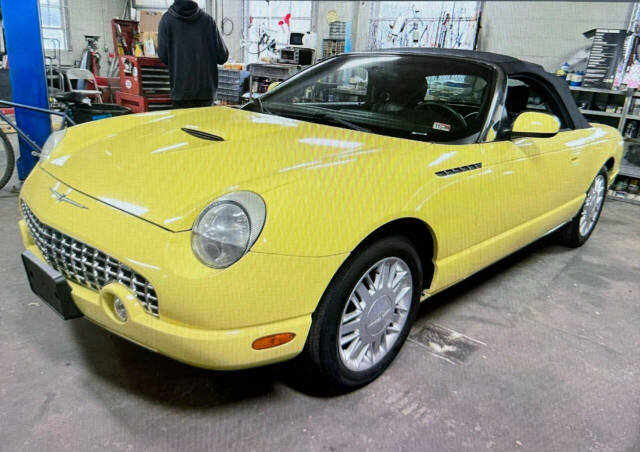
[{"x": 310, "y": 221}]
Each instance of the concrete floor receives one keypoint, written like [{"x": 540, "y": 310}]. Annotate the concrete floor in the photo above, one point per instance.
[{"x": 550, "y": 360}]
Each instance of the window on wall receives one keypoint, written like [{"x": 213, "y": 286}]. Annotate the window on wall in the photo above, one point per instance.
[
  {"x": 448, "y": 24},
  {"x": 266, "y": 21},
  {"x": 53, "y": 18}
]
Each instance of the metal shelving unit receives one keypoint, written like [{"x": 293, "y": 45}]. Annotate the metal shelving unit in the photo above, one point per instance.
[
  {"x": 630, "y": 201},
  {"x": 627, "y": 94},
  {"x": 601, "y": 113},
  {"x": 626, "y": 169},
  {"x": 597, "y": 90}
]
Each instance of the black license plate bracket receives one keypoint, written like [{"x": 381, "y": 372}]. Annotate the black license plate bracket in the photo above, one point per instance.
[{"x": 50, "y": 286}]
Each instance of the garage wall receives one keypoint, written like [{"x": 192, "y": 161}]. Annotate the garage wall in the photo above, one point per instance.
[
  {"x": 542, "y": 32},
  {"x": 521, "y": 29},
  {"x": 90, "y": 17},
  {"x": 234, "y": 11},
  {"x": 347, "y": 12},
  {"x": 546, "y": 32}
]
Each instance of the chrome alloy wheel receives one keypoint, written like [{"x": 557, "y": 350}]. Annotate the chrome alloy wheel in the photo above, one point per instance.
[
  {"x": 591, "y": 209},
  {"x": 375, "y": 314}
]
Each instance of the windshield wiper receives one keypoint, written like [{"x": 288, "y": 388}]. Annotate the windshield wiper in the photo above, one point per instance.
[
  {"x": 312, "y": 113},
  {"x": 258, "y": 101},
  {"x": 341, "y": 121}
]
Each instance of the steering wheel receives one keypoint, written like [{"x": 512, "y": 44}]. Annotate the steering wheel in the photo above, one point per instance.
[
  {"x": 471, "y": 116},
  {"x": 462, "y": 123}
]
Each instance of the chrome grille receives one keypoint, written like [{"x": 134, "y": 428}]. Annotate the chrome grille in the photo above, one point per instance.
[{"x": 85, "y": 265}]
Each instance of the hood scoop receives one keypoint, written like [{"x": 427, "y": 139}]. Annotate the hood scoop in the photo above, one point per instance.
[{"x": 202, "y": 135}]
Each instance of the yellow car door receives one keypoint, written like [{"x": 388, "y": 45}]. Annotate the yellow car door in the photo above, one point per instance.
[
  {"x": 531, "y": 176},
  {"x": 494, "y": 198}
]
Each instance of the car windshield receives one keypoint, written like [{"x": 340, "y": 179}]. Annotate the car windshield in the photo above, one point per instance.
[{"x": 409, "y": 96}]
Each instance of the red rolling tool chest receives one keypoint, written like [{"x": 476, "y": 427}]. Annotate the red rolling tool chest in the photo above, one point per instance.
[{"x": 144, "y": 81}]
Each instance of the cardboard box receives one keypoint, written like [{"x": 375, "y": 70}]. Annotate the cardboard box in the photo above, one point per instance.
[{"x": 149, "y": 21}]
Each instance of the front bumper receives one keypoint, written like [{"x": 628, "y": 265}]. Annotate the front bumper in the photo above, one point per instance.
[{"x": 208, "y": 318}]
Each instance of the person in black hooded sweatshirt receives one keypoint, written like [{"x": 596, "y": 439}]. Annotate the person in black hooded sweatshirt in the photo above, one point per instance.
[{"x": 189, "y": 42}]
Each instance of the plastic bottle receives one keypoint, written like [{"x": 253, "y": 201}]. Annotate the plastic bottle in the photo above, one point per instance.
[{"x": 562, "y": 72}]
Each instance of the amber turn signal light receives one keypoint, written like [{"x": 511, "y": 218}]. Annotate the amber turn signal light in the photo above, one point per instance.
[{"x": 272, "y": 341}]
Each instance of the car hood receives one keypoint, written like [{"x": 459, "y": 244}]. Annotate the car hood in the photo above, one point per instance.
[{"x": 149, "y": 166}]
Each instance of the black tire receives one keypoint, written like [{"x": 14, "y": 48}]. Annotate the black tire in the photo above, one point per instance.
[
  {"x": 7, "y": 160},
  {"x": 321, "y": 357},
  {"x": 571, "y": 235}
]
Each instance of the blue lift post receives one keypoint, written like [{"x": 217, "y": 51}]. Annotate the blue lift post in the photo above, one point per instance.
[{"x": 27, "y": 72}]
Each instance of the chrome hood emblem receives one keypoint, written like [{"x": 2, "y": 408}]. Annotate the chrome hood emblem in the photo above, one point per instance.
[{"x": 62, "y": 197}]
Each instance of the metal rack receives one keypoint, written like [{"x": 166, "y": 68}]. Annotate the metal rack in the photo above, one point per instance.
[
  {"x": 626, "y": 168},
  {"x": 231, "y": 85},
  {"x": 335, "y": 44},
  {"x": 627, "y": 94}
]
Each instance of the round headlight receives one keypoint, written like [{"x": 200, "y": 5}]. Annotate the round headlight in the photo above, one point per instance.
[{"x": 227, "y": 228}]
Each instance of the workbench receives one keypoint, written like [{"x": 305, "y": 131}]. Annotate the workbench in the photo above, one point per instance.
[{"x": 275, "y": 72}]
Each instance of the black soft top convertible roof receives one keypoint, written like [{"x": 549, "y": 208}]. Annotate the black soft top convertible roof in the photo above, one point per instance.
[{"x": 511, "y": 66}]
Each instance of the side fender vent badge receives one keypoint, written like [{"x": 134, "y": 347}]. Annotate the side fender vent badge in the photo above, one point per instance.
[
  {"x": 202, "y": 135},
  {"x": 460, "y": 169}
]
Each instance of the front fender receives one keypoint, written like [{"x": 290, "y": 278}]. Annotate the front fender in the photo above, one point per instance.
[{"x": 324, "y": 216}]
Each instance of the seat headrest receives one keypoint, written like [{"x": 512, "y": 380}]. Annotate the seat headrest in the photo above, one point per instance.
[{"x": 517, "y": 98}]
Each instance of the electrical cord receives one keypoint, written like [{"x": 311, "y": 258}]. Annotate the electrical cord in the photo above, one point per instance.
[
  {"x": 225, "y": 21},
  {"x": 264, "y": 41}
]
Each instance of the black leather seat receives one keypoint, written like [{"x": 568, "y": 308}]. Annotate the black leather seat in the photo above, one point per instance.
[{"x": 517, "y": 99}]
